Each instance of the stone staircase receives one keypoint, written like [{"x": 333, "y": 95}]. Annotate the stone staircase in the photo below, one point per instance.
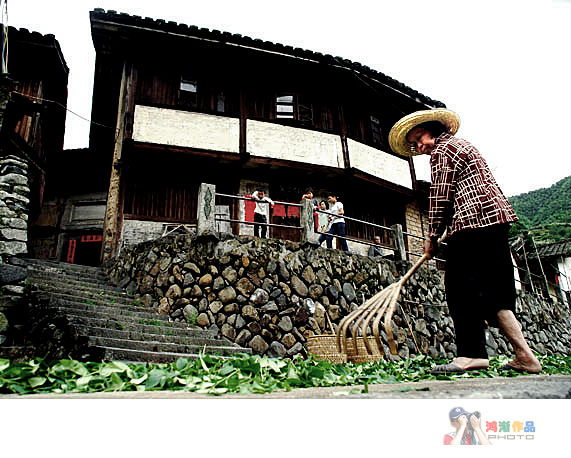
[{"x": 116, "y": 325}]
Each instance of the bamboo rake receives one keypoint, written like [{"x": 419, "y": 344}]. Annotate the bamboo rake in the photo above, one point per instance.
[{"x": 381, "y": 305}]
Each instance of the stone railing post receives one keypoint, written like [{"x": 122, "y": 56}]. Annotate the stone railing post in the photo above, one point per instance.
[
  {"x": 308, "y": 234},
  {"x": 398, "y": 237},
  {"x": 206, "y": 209}
]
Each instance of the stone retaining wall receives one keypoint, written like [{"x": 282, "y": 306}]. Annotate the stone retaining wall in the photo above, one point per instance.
[
  {"x": 14, "y": 192},
  {"x": 14, "y": 200},
  {"x": 270, "y": 295}
]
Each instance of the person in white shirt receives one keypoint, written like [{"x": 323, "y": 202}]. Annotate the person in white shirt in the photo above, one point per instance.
[
  {"x": 337, "y": 223},
  {"x": 260, "y": 212},
  {"x": 323, "y": 222}
]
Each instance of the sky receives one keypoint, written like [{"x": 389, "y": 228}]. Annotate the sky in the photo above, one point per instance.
[{"x": 502, "y": 65}]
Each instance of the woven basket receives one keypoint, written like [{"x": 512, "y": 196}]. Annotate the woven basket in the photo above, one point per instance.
[
  {"x": 363, "y": 355},
  {"x": 324, "y": 346}
]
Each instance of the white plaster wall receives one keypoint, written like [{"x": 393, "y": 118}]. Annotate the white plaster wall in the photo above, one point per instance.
[
  {"x": 165, "y": 126},
  {"x": 136, "y": 231},
  {"x": 517, "y": 278},
  {"x": 564, "y": 266},
  {"x": 293, "y": 144},
  {"x": 380, "y": 164}
]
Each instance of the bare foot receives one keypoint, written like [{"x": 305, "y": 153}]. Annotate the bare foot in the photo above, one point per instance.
[
  {"x": 471, "y": 363},
  {"x": 531, "y": 365}
]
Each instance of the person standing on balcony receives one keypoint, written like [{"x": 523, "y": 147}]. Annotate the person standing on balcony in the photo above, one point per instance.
[
  {"x": 466, "y": 202},
  {"x": 375, "y": 250},
  {"x": 322, "y": 220},
  {"x": 309, "y": 195},
  {"x": 260, "y": 212},
  {"x": 337, "y": 223}
]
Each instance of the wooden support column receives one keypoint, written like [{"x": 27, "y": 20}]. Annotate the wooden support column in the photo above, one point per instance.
[
  {"x": 112, "y": 226},
  {"x": 412, "y": 174},
  {"x": 400, "y": 250},
  {"x": 344, "y": 144},
  {"x": 243, "y": 118}
]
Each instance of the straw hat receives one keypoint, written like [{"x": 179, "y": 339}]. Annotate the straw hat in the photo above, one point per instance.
[{"x": 398, "y": 133}]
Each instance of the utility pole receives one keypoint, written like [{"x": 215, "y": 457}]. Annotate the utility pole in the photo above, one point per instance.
[
  {"x": 526, "y": 264},
  {"x": 540, "y": 266}
]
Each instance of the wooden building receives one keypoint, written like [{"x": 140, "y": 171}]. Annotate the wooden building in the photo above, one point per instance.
[
  {"x": 33, "y": 128},
  {"x": 549, "y": 271},
  {"x": 175, "y": 106},
  {"x": 34, "y": 95}
]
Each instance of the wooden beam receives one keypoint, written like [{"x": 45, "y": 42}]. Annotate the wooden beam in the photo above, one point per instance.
[{"x": 112, "y": 223}]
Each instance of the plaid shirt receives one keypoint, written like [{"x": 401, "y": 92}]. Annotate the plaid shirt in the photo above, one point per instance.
[{"x": 463, "y": 193}]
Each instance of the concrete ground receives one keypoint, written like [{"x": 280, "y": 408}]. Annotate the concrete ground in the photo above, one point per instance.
[{"x": 522, "y": 387}]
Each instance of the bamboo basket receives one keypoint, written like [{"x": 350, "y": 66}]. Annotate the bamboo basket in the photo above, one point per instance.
[
  {"x": 362, "y": 355},
  {"x": 324, "y": 347}
]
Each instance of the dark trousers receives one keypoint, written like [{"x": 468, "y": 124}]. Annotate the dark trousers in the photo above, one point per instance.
[
  {"x": 479, "y": 282},
  {"x": 258, "y": 218},
  {"x": 335, "y": 229}
]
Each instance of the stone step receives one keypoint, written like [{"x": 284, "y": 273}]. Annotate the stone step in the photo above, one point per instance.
[
  {"x": 96, "y": 302},
  {"x": 119, "y": 313},
  {"x": 163, "y": 347},
  {"x": 63, "y": 266},
  {"x": 198, "y": 337},
  {"x": 54, "y": 274},
  {"x": 123, "y": 302},
  {"x": 122, "y": 354},
  {"x": 147, "y": 327},
  {"x": 57, "y": 276},
  {"x": 124, "y": 316},
  {"x": 69, "y": 270},
  {"x": 115, "y": 324},
  {"x": 18, "y": 353}
]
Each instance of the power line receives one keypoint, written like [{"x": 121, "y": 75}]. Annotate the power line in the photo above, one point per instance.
[{"x": 41, "y": 99}]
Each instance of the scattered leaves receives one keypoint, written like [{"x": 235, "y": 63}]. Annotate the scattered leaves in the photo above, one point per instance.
[{"x": 240, "y": 374}]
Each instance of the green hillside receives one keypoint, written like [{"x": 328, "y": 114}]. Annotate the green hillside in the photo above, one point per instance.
[{"x": 546, "y": 212}]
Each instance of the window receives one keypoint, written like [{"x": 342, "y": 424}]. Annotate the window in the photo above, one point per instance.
[
  {"x": 293, "y": 106},
  {"x": 284, "y": 107},
  {"x": 376, "y": 135},
  {"x": 304, "y": 111},
  {"x": 221, "y": 103},
  {"x": 188, "y": 91}
]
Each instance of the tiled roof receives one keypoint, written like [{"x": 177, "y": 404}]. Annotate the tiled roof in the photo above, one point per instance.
[
  {"x": 226, "y": 37},
  {"x": 562, "y": 248},
  {"x": 35, "y": 38}
]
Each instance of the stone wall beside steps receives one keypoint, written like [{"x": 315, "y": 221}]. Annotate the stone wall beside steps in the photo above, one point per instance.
[{"x": 270, "y": 295}]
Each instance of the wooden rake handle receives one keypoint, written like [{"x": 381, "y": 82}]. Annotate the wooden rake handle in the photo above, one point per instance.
[
  {"x": 400, "y": 283},
  {"x": 423, "y": 258}
]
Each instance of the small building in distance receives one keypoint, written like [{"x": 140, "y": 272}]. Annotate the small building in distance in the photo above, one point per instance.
[{"x": 33, "y": 112}]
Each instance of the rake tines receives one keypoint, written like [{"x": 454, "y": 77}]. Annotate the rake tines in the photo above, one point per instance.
[{"x": 382, "y": 304}]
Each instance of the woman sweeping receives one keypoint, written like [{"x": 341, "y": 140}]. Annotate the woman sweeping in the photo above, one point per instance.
[{"x": 466, "y": 201}]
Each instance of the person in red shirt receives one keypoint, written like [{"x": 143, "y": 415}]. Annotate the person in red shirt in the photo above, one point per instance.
[
  {"x": 468, "y": 429},
  {"x": 466, "y": 203}
]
